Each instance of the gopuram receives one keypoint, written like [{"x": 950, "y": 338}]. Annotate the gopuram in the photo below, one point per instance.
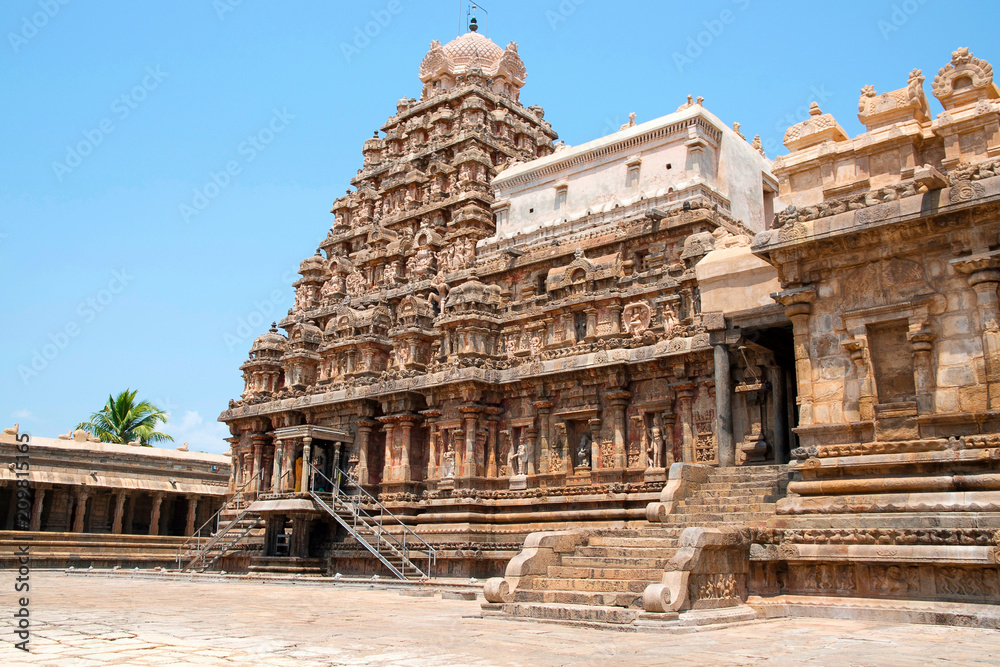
[{"x": 652, "y": 376}]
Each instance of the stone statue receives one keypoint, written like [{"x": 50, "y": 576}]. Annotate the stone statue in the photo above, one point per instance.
[
  {"x": 449, "y": 463},
  {"x": 655, "y": 447},
  {"x": 583, "y": 451},
  {"x": 521, "y": 459}
]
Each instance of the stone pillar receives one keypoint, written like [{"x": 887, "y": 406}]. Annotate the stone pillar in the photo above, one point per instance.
[
  {"x": 80, "y": 510},
  {"x": 531, "y": 448},
  {"x": 922, "y": 340},
  {"x": 279, "y": 453},
  {"x": 36, "y": 510},
  {"x": 619, "y": 401},
  {"x": 291, "y": 452},
  {"x": 723, "y": 402},
  {"x": 306, "y": 463},
  {"x": 469, "y": 463},
  {"x": 798, "y": 308},
  {"x": 154, "y": 517},
  {"x": 337, "y": 446},
  {"x": 616, "y": 318},
  {"x": 129, "y": 515},
  {"x": 544, "y": 409},
  {"x": 390, "y": 435},
  {"x": 365, "y": 428},
  {"x": 116, "y": 524},
  {"x": 669, "y": 421},
  {"x": 684, "y": 411},
  {"x": 192, "y": 512},
  {"x": 406, "y": 425},
  {"x": 591, "y": 324},
  {"x": 258, "y": 455},
  {"x": 493, "y": 426},
  {"x": 595, "y": 443},
  {"x": 983, "y": 274},
  {"x": 866, "y": 395},
  {"x": 430, "y": 419},
  {"x": 237, "y": 460}
]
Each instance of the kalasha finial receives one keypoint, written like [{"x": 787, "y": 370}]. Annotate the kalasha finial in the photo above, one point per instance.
[
  {"x": 274, "y": 327},
  {"x": 474, "y": 24}
]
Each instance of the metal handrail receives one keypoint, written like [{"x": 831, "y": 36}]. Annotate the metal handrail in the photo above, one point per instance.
[
  {"x": 343, "y": 474},
  {"x": 197, "y": 536},
  {"x": 396, "y": 545},
  {"x": 353, "y": 530}
]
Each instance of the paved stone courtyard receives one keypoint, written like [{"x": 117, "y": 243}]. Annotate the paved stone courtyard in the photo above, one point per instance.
[{"x": 93, "y": 620}]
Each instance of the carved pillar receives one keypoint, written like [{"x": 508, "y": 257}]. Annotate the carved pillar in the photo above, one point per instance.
[
  {"x": 531, "y": 436},
  {"x": 544, "y": 409},
  {"x": 639, "y": 422},
  {"x": 237, "y": 462},
  {"x": 154, "y": 515},
  {"x": 798, "y": 307},
  {"x": 983, "y": 274},
  {"x": 616, "y": 318},
  {"x": 471, "y": 412},
  {"x": 595, "y": 443},
  {"x": 336, "y": 459},
  {"x": 129, "y": 514},
  {"x": 365, "y": 428},
  {"x": 686, "y": 415},
  {"x": 279, "y": 459},
  {"x": 306, "y": 463},
  {"x": 866, "y": 395},
  {"x": 619, "y": 401},
  {"x": 492, "y": 425},
  {"x": 116, "y": 524},
  {"x": 80, "y": 510},
  {"x": 591, "y": 324},
  {"x": 36, "y": 510},
  {"x": 669, "y": 422},
  {"x": 192, "y": 512},
  {"x": 723, "y": 402},
  {"x": 390, "y": 435},
  {"x": 406, "y": 425},
  {"x": 430, "y": 419},
  {"x": 922, "y": 340},
  {"x": 258, "y": 440}
]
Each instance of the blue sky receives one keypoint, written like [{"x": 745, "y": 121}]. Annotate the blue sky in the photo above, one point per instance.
[{"x": 251, "y": 114}]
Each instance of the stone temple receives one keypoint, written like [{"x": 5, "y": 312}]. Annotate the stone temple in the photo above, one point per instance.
[{"x": 649, "y": 376}]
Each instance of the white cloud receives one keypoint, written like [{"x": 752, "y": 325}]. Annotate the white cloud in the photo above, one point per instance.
[
  {"x": 200, "y": 436},
  {"x": 25, "y": 415}
]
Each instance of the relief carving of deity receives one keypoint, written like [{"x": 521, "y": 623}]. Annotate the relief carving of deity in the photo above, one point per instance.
[
  {"x": 355, "y": 284},
  {"x": 636, "y": 318}
]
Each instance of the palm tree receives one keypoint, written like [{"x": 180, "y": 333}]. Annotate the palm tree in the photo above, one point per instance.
[{"x": 122, "y": 421}]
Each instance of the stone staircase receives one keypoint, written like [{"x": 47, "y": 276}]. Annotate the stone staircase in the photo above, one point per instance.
[
  {"x": 744, "y": 495},
  {"x": 603, "y": 578}
]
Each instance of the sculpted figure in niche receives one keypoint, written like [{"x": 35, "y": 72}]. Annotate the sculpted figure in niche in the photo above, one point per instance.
[
  {"x": 510, "y": 346},
  {"x": 655, "y": 447},
  {"x": 583, "y": 451},
  {"x": 355, "y": 284},
  {"x": 670, "y": 320},
  {"x": 449, "y": 463},
  {"x": 636, "y": 318},
  {"x": 521, "y": 459}
]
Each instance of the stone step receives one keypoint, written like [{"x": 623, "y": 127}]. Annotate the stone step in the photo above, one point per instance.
[
  {"x": 722, "y": 509},
  {"x": 648, "y": 542},
  {"x": 618, "y": 561},
  {"x": 632, "y": 552},
  {"x": 572, "y": 613},
  {"x": 591, "y": 585},
  {"x": 577, "y": 572},
  {"x": 582, "y": 598},
  {"x": 703, "y": 519}
]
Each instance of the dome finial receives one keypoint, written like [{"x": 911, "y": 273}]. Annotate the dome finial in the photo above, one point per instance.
[
  {"x": 274, "y": 327},
  {"x": 474, "y": 24}
]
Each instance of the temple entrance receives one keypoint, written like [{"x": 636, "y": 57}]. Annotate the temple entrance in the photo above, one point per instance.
[{"x": 764, "y": 393}]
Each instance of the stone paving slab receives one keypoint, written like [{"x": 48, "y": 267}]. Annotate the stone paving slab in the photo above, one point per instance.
[{"x": 91, "y": 621}]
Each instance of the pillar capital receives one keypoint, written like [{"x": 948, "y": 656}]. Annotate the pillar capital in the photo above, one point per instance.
[
  {"x": 797, "y": 300},
  {"x": 979, "y": 268}
]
